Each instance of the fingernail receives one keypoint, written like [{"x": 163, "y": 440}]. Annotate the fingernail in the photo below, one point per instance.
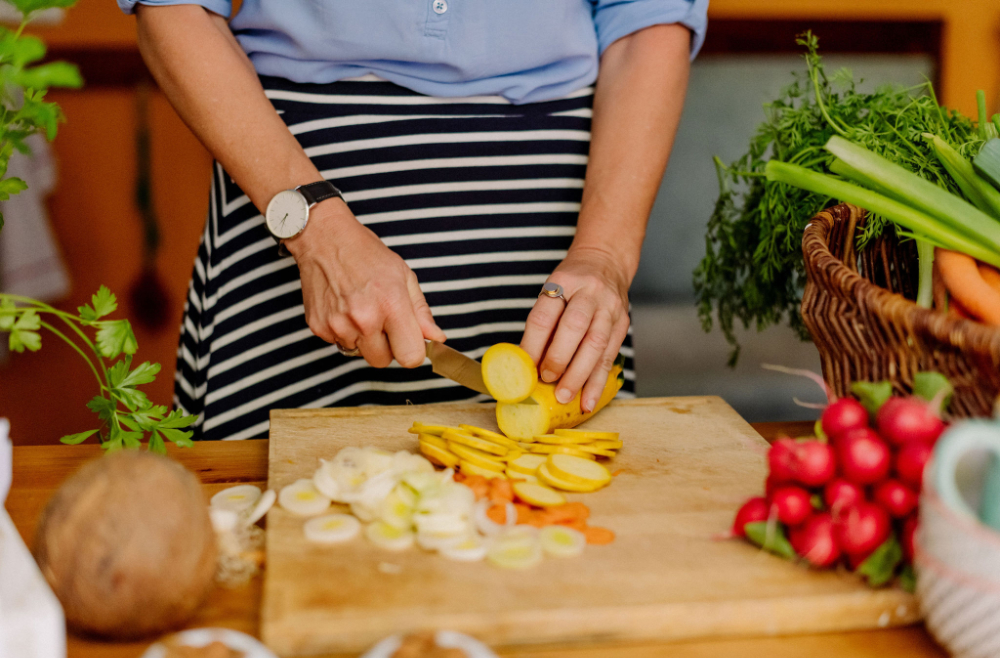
[
  {"x": 564, "y": 395},
  {"x": 548, "y": 376},
  {"x": 588, "y": 405}
]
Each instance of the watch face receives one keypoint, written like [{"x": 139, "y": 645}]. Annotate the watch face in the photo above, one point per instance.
[{"x": 287, "y": 214}]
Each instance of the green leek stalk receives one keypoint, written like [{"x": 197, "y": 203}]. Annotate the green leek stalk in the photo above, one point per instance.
[
  {"x": 950, "y": 211},
  {"x": 975, "y": 188},
  {"x": 925, "y": 226},
  {"x": 925, "y": 280},
  {"x": 986, "y": 129}
]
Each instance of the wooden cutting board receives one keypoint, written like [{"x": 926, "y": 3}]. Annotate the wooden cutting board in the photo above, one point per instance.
[{"x": 686, "y": 466}]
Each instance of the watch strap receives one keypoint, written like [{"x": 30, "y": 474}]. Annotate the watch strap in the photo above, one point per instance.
[{"x": 319, "y": 191}]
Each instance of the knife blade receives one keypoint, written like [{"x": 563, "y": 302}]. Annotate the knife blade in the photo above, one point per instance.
[{"x": 457, "y": 367}]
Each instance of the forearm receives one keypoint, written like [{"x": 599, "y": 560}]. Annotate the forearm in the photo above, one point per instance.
[
  {"x": 637, "y": 107},
  {"x": 212, "y": 85}
]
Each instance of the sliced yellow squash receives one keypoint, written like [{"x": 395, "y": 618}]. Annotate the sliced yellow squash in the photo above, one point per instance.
[
  {"x": 578, "y": 471},
  {"x": 420, "y": 428},
  {"x": 471, "y": 469},
  {"x": 544, "y": 475},
  {"x": 489, "y": 435},
  {"x": 600, "y": 452},
  {"x": 527, "y": 463},
  {"x": 542, "y": 449},
  {"x": 590, "y": 435},
  {"x": 514, "y": 475},
  {"x": 480, "y": 459},
  {"x": 538, "y": 494},
  {"x": 433, "y": 439},
  {"x": 558, "y": 439},
  {"x": 509, "y": 373},
  {"x": 438, "y": 456},
  {"x": 466, "y": 439}
]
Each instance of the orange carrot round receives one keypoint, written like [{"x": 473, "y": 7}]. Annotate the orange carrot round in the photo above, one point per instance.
[
  {"x": 497, "y": 514},
  {"x": 597, "y": 535},
  {"x": 966, "y": 284},
  {"x": 991, "y": 276}
]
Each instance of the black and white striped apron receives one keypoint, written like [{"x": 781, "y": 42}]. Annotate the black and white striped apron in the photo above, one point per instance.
[{"x": 479, "y": 196}]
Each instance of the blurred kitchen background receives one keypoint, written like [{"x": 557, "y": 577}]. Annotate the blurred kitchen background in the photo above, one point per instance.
[{"x": 99, "y": 230}]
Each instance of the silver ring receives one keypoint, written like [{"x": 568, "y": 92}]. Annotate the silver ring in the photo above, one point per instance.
[
  {"x": 550, "y": 289},
  {"x": 346, "y": 352}
]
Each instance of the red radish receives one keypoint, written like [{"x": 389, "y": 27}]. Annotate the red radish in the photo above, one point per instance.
[
  {"x": 839, "y": 494},
  {"x": 844, "y": 414},
  {"x": 906, "y": 537},
  {"x": 779, "y": 460},
  {"x": 770, "y": 484},
  {"x": 901, "y": 420},
  {"x": 792, "y": 504},
  {"x": 814, "y": 540},
  {"x": 910, "y": 462},
  {"x": 753, "y": 510},
  {"x": 807, "y": 462},
  {"x": 864, "y": 458},
  {"x": 861, "y": 529},
  {"x": 895, "y": 498}
]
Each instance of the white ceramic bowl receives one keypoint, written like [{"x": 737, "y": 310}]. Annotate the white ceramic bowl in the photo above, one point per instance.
[
  {"x": 200, "y": 637},
  {"x": 448, "y": 639},
  {"x": 957, "y": 557}
]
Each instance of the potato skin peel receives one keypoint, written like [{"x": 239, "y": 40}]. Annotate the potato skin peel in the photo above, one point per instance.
[{"x": 127, "y": 546}]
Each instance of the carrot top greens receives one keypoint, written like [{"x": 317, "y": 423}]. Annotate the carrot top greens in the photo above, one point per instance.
[{"x": 753, "y": 270}]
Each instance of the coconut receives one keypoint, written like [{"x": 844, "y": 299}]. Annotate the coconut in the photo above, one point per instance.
[{"x": 127, "y": 545}]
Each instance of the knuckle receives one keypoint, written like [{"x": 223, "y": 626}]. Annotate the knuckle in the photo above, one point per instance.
[
  {"x": 598, "y": 340},
  {"x": 539, "y": 320},
  {"x": 576, "y": 320}
]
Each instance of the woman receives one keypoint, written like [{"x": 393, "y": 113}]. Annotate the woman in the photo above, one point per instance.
[{"x": 471, "y": 152}]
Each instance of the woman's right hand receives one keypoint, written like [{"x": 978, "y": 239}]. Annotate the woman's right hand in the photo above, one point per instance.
[{"x": 359, "y": 293}]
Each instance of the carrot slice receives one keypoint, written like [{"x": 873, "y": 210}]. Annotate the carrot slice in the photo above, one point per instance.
[
  {"x": 497, "y": 514},
  {"x": 577, "y": 524},
  {"x": 501, "y": 491},
  {"x": 966, "y": 284},
  {"x": 479, "y": 485},
  {"x": 991, "y": 276},
  {"x": 569, "y": 512},
  {"x": 597, "y": 535},
  {"x": 524, "y": 512}
]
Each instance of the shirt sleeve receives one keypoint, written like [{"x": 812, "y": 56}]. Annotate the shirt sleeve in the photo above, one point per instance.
[
  {"x": 220, "y": 7},
  {"x": 615, "y": 19}
]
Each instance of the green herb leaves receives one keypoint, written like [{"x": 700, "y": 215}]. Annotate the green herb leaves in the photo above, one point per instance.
[{"x": 753, "y": 270}]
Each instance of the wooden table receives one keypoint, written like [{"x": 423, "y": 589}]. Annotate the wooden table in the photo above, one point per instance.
[{"x": 39, "y": 470}]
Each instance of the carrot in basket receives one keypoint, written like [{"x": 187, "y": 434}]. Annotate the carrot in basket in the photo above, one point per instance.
[
  {"x": 991, "y": 276},
  {"x": 966, "y": 284},
  {"x": 955, "y": 308},
  {"x": 597, "y": 535}
]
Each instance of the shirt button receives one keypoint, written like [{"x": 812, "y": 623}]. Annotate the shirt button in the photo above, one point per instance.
[{"x": 439, "y": 6}]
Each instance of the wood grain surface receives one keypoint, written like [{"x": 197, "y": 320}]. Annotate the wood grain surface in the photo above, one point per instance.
[{"x": 686, "y": 465}]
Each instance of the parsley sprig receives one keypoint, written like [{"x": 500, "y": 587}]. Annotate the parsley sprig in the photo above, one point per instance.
[
  {"x": 127, "y": 415},
  {"x": 753, "y": 270}
]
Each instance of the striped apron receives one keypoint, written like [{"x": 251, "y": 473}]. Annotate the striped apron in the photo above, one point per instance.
[{"x": 479, "y": 196}]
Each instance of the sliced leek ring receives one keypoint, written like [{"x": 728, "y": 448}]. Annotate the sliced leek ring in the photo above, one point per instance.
[
  {"x": 466, "y": 439},
  {"x": 517, "y": 555},
  {"x": 560, "y": 541},
  {"x": 332, "y": 528},
  {"x": 480, "y": 459},
  {"x": 237, "y": 499},
  {"x": 470, "y": 549},
  {"x": 302, "y": 498},
  {"x": 578, "y": 470},
  {"x": 592, "y": 435},
  {"x": 385, "y": 536}
]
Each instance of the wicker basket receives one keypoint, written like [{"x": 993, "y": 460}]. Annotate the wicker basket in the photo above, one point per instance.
[{"x": 861, "y": 317}]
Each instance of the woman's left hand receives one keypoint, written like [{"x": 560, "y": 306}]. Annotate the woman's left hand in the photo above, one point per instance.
[{"x": 576, "y": 341}]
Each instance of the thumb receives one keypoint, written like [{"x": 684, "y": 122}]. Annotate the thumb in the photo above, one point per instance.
[{"x": 423, "y": 312}]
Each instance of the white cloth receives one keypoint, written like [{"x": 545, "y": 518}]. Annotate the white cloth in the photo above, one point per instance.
[{"x": 30, "y": 262}]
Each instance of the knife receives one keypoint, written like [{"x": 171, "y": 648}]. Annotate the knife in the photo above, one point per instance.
[{"x": 456, "y": 366}]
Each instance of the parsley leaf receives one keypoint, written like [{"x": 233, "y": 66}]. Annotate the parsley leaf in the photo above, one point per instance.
[
  {"x": 115, "y": 337},
  {"x": 102, "y": 303},
  {"x": 73, "y": 439}
]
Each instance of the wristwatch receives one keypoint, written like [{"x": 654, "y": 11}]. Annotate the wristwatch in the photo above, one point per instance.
[{"x": 288, "y": 211}]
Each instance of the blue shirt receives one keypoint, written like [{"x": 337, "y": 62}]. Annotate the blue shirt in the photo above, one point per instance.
[{"x": 524, "y": 50}]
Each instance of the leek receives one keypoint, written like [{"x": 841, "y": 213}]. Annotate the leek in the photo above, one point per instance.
[
  {"x": 987, "y": 163},
  {"x": 986, "y": 128},
  {"x": 975, "y": 188},
  {"x": 925, "y": 279},
  {"x": 951, "y": 211},
  {"x": 922, "y": 224}
]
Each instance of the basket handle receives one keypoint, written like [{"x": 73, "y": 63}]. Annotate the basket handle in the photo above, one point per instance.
[{"x": 970, "y": 435}]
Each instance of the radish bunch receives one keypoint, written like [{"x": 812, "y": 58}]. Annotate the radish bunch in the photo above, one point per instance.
[{"x": 850, "y": 497}]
